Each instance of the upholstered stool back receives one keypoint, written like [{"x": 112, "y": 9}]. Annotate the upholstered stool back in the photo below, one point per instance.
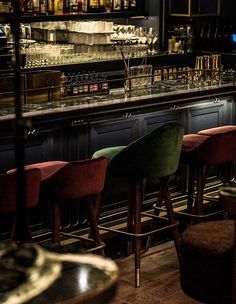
[
  {"x": 153, "y": 155},
  {"x": 65, "y": 181},
  {"x": 8, "y": 190},
  {"x": 8, "y": 200},
  {"x": 77, "y": 179}
]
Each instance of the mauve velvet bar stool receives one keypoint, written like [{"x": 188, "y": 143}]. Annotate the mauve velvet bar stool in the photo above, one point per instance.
[
  {"x": 63, "y": 181},
  {"x": 155, "y": 155},
  {"x": 8, "y": 192},
  {"x": 212, "y": 147}
]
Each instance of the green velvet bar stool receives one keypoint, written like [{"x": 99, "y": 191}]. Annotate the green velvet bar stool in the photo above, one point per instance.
[{"x": 155, "y": 155}]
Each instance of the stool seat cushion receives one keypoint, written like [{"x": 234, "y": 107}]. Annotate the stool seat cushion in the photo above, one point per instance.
[
  {"x": 209, "y": 150},
  {"x": 108, "y": 152},
  {"x": 193, "y": 141},
  {"x": 219, "y": 240},
  {"x": 206, "y": 261},
  {"x": 8, "y": 190},
  {"x": 190, "y": 145},
  {"x": 218, "y": 130},
  {"x": 47, "y": 169}
]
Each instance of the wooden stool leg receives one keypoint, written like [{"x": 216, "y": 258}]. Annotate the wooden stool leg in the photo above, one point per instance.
[
  {"x": 170, "y": 212},
  {"x": 130, "y": 219},
  {"x": 56, "y": 223},
  {"x": 92, "y": 218},
  {"x": 201, "y": 180},
  {"x": 191, "y": 178},
  {"x": 137, "y": 192}
]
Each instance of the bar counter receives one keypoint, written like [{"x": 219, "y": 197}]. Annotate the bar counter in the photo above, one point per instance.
[{"x": 162, "y": 96}]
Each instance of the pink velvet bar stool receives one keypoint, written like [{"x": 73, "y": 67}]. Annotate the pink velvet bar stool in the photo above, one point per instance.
[
  {"x": 211, "y": 147},
  {"x": 63, "y": 181},
  {"x": 8, "y": 195},
  {"x": 75, "y": 180}
]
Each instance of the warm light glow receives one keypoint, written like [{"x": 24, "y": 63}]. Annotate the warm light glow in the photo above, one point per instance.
[{"x": 83, "y": 279}]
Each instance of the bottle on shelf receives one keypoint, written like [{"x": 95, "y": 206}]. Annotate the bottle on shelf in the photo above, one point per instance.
[
  {"x": 28, "y": 7},
  {"x": 80, "y": 6},
  {"x": 73, "y": 6},
  {"x": 43, "y": 7},
  {"x": 95, "y": 83},
  {"x": 84, "y": 6},
  {"x": 116, "y": 6},
  {"x": 86, "y": 85},
  {"x": 50, "y": 7},
  {"x": 108, "y": 5},
  {"x": 66, "y": 6},
  {"x": 133, "y": 5},
  {"x": 58, "y": 7},
  {"x": 93, "y": 6},
  {"x": 104, "y": 84},
  {"x": 64, "y": 81},
  {"x": 35, "y": 7},
  {"x": 125, "y": 5}
]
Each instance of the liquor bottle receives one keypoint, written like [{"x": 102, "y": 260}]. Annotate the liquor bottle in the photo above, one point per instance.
[
  {"x": 125, "y": 5},
  {"x": 75, "y": 84},
  {"x": 63, "y": 85},
  {"x": 108, "y": 5},
  {"x": 104, "y": 84},
  {"x": 66, "y": 6},
  {"x": 84, "y": 6},
  {"x": 85, "y": 81},
  {"x": 36, "y": 7},
  {"x": 80, "y": 85},
  {"x": 42, "y": 7},
  {"x": 93, "y": 6},
  {"x": 91, "y": 82},
  {"x": 58, "y": 7},
  {"x": 102, "y": 6},
  {"x": 73, "y": 6},
  {"x": 95, "y": 83},
  {"x": 116, "y": 6},
  {"x": 132, "y": 5},
  {"x": 51, "y": 7},
  {"x": 80, "y": 6},
  {"x": 68, "y": 88},
  {"x": 28, "y": 7}
]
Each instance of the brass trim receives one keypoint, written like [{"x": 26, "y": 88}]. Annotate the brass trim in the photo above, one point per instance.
[
  {"x": 138, "y": 235},
  {"x": 200, "y": 215},
  {"x": 82, "y": 238},
  {"x": 137, "y": 277}
]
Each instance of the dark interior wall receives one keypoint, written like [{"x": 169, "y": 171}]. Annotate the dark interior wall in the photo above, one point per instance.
[{"x": 228, "y": 11}]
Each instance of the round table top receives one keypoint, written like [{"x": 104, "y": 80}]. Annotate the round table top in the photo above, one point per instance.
[{"x": 34, "y": 276}]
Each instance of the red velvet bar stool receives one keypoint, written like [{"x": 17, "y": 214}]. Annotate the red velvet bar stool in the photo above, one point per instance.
[
  {"x": 226, "y": 168},
  {"x": 63, "y": 181},
  {"x": 213, "y": 147},
  {"x": 8, "y": 192}
]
